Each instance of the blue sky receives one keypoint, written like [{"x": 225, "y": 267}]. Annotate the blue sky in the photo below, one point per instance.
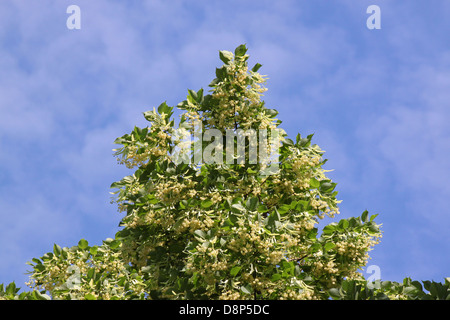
[{"x": 377, "y": 101}]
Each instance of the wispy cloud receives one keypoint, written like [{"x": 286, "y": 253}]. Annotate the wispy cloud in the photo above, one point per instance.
[{"x": 377, "y": 103}]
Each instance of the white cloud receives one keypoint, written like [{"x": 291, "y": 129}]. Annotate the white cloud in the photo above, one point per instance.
[
  {"x": 74, "y": 92},
  {"x": 413, "y": 136},
  {"x": 406, "y": 150}
]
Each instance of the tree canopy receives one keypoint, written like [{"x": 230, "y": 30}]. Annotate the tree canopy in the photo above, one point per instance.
[{"x": 222, "y": 204}]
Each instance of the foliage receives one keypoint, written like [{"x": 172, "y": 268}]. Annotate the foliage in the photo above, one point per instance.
[
  {"x": 88, "y": 272},
  {"x": 213, "y": 230},
  {"x": 10, "y": 292},
  {"x": 388, "y": 290}
]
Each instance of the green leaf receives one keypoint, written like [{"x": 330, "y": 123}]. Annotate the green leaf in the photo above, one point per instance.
[
  {"x": 335, "y": 293},
  {"x": 288, "y": 142},
  {"x": 364, "y": 216},
  {"x": 200, "y": 95},
  {"x": 238, "y": 207},
  {"x": 328, "y": 246},
  {"x": 206, "y": 203},
  {"x": 273, "y": 220},
  {"x": 11, "y": 289},
  {"x": 284, "y": 209},
  {"x": 343, "y": 224},
  {"x": 91, "y": 273},
  {"x": 235, "y": 270},
  {"x": 271, "y": 113},
  {"x": 330, "y": 228},
  {"x": 193, "y": 95},
  {"x": 164, "y": 108},
  {"x": 374, "y": 228},
  {"x": 149, "y": 115},
  {"x": 64, "y": 252},
  {"x": 112, "y": 243},
  {"x": 314, "y": 183},
  {"x": 287, "y": 265},
  {"x": 247, "y": 289},
  {"x": 353, "y": 222},
  {"x": 262, "y": 208},
  {"x": 256, "y": 67},
  {"x": 276, "y": 277},
  {"x": 83, "y": 244},
  {"x": 240, "y": 51},
  {"x": 183, "y": 204},
  {"x": 200, "y": 233},
  {"x": 39, "y": 267},
  {"x": 56, "y": 250},
  {"x": 226, "y": 56},
  {"x": 40, "y": 296},
  {"x": 93, "y": 250},
  {"x": 437, "y": 290},
  {"x": 327, "y": 186},
  {"x": 251, "y": 171},
  {"x": 252, "y": 203},
  {"x": 90, "y": 296},
  {"x": 417, "y": 284},
  {"x": 221, "y": 73}
]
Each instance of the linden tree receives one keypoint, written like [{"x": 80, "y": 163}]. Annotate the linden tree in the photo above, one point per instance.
[{"x": 221, "y": 204}]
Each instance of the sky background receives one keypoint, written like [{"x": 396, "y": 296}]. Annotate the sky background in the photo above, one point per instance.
[{"x": 376, "y": 100}]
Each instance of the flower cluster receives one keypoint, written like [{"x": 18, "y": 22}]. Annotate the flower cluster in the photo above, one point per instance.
[
  {"x": 237, "y": 96},
  {"x": 353, "y": 249},
  {"x": 83, "y": 272}
]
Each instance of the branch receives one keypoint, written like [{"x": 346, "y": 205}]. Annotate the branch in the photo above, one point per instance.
[{"x": 299, "y": 259}]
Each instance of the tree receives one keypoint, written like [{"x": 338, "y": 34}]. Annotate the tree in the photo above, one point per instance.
[{"x": 202, "y": 221}]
